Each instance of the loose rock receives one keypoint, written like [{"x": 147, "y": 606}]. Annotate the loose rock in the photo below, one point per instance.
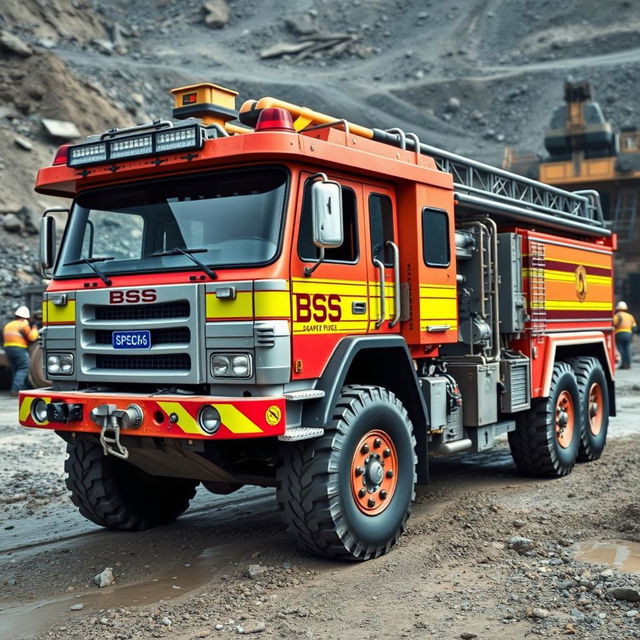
[
  {"x": 105, "y": 578},
  {"x": 217, "y": 14},
  {"x": 519, "y": 544}
]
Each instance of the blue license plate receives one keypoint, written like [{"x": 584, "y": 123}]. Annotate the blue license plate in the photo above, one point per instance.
[{"x": 131, "y": 339}]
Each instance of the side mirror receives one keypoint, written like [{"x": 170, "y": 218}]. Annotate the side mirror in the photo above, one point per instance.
[
  {"x": 326, "y": 212},
  {"x": 48, "y": 240}
]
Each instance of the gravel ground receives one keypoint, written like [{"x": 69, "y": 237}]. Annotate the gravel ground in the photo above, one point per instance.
[{"x": 487, "y": 554}]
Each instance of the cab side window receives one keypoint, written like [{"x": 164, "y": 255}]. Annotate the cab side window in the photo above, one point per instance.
[
  {"x": 381, "y": 226},
  {"x": 435, "y": 238},
  {"x": 348, "y": 250}
]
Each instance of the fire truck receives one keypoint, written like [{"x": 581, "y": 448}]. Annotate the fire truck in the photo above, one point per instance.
[{"x": 277, "y": 297}]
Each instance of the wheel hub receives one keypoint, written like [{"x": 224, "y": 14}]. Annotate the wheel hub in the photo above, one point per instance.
[
  {"x": 374, "y": 472},
  {"x": 596, "y": 408},
  {"x": 564, "y": 419}
]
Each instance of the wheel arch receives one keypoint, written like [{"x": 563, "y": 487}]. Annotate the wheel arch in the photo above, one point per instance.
[
  {"x": 575, "y": 346},
  {"x": 382, "y": 361}
]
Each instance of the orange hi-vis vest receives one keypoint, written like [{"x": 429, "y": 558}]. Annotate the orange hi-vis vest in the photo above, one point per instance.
[
  {"x": 19, "y": 333},
  {"x": 624, "y": 322}
]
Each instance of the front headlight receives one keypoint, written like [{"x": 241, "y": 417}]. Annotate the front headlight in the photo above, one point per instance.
[
  {"x": 231, "y": 365},
  {"x": 60, "y": 364}
]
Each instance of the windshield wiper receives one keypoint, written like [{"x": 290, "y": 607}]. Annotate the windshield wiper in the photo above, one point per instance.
[
  {"x": 187, "y": 252},
  {"x": 89, "y": 262}
]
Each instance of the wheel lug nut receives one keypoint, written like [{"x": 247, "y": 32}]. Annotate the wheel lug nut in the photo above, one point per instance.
[
  {"x": 377, "y": 443},
  {"x": 386, "y": 453},
  {"x": 371, "y": 502},
  {"x": 362, "y": 493},
  {"x": 359, "y": 471},
  {"x": 390, "y": 473},
  {"x": 365, "y": 448},
  {"x": 383, "y": 495}
]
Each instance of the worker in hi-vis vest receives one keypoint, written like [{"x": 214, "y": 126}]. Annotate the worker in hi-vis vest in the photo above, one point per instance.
[
  {"x": 18, "y": 334},
  {"x": 625, "y": 326}
]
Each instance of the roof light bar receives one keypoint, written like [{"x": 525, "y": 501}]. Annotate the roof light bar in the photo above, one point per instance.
[{"x": 149, "y": 144}]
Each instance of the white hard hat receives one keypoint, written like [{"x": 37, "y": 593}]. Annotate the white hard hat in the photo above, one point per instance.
[
  {"x": 23, "y": 312},
  {"x": 621, "y": 306}
]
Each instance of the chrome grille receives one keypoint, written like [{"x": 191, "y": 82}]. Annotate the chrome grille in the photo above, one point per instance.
[
  {"x": 174, "y": 321},
  {"x": 177, "y": 309},
  {"x": 171, "y": 361}
]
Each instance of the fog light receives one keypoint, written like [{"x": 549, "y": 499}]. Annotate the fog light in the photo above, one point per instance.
[
  {"x": 39, "y": 411},
  {"x": 209, "y": 419}
]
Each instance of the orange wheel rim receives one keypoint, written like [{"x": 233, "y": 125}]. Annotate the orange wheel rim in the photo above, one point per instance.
[
  {"x": 374, "y": 472},
  {"x": 596, "y": 409},
  {"x": 565, "y": 419}
]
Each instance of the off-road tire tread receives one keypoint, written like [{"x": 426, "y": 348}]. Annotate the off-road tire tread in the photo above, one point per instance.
[
  {"x": 531, "y": 448},
  {"x": 100, "y": 500},
  {"x": 583, "y": 367},
  {"x": 308, "y": 486}
]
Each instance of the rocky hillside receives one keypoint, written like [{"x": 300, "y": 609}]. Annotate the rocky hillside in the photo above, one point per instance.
[{"x": 469, "y": 76}]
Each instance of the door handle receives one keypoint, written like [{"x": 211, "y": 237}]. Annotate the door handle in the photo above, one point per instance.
[
  {"x": 383, "y": 302},
  {"x": 358, "y": 308},
  {"x": 396, "y": 281}
]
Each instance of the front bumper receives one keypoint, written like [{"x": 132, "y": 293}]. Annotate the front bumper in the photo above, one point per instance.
[{"x": 164, "y": 416}]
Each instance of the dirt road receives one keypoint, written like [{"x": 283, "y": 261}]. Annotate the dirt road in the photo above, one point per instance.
[{"x": 227, "y": 566}]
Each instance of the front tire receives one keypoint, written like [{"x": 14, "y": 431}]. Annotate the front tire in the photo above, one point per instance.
[
  {"x": 594, "y": 407},
  {"x": 546, "y": 440},
  {"x": 348, "y": 494},
  {"x": 116, "y": 495}
]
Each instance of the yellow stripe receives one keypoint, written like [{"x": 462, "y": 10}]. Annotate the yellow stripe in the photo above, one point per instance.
[
  {"x": 563, "y": 305},
  {"x": 235, "y": 420},
  {"x": 272, "y": 303},
  {"x": 339, "y": 287},
  {"x": 185, "y": 420},
  {"x": 438, "y": 308},
  {"x": 240, "y": 307},
  {"x": 438, "y": 292},
  {"x": 61, "y": 315}
]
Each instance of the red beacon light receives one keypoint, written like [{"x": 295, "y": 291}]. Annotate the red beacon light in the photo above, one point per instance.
[
  {"x": 61, "y": 155},
  {"x": 275, "y": 119}
]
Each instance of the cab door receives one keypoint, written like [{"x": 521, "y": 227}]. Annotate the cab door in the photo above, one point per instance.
[
  {"x": 383, "y": 260},
  {"x": 332, "y": 302}
]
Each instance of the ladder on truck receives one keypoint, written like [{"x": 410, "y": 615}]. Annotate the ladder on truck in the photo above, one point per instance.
[{"x": 485, "y": 188}]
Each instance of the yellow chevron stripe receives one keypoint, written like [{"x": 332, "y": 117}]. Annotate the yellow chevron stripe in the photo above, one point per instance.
[
  {"x": 185, "y": 420},
  {"x": 235, "y": 420}
]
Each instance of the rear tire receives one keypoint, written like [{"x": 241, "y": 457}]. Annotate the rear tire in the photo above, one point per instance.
[
  {"x": 594, "y": 407},
  {"x": 546, "y": 440},
  {"x": 348, "y": 494},
  {"x": 116, "y": 495}
]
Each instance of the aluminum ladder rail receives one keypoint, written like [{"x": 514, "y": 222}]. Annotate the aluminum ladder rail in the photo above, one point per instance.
[{"x": 485, "y": 188}]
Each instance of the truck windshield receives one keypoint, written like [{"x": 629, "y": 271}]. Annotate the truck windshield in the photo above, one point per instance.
[{"x": 233, "y": 217}]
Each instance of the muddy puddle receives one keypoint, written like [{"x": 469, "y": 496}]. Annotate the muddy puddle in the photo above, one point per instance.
[
  {"x": 23, "y": 621},
  {"x": 622, "y": 555}
]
